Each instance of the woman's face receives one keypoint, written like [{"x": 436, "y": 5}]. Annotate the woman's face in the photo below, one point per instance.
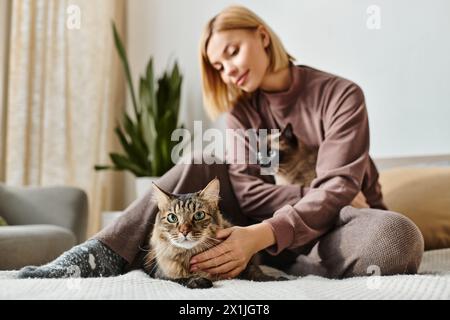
[{"x": 239, "y": 55}]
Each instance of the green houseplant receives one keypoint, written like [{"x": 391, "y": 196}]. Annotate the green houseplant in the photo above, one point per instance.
[{"x": 146, "y": 137}]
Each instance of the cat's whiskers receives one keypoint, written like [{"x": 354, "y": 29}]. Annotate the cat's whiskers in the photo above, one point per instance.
[
  {"x": 154, "y": 267},
  {"x": 218, "y": 240},
  {"x": 211, "y": 245},
  {"x": 209, "y": 242},
  {"x": 157, "y": 252},
  {"x": 152, "y": 255},
  {"x": 160, "y": 249}
]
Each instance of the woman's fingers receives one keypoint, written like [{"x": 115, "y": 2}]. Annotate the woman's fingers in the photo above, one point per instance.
[
  {"x": 231, "y": 274},
  {"x": 212, "y": 263},
  {"x": 224, "y": 268},
  {"x": 224, "y": 233},
  {"x": 218, "y": 251}
]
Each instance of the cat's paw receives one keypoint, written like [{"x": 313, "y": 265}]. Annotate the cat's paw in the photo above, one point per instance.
[
  {"x": 282, "y": 279},
  {"x": 199, "y": 283}
]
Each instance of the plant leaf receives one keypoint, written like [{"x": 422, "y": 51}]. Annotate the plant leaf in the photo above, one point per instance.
[
  {"x": 124, "y": 163},
  {"x": 102, "y": 167},
  {"x": 123, "y": 57},
  {"x": 150, "y": 82},
  {"x": 131, "y": 149}
]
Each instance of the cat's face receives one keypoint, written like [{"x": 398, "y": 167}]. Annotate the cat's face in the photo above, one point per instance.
[
  {"x": 188, "y": 220},
  {"x": 280, "y": 146}
]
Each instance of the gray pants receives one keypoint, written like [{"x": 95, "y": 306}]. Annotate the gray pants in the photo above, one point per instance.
[{"x": 363, "y": 241}]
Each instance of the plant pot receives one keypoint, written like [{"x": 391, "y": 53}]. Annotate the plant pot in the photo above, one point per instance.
[{"x": 143, "y": 184}]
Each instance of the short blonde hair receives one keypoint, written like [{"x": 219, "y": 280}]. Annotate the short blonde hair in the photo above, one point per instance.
[{"x": 217, "y": 96}]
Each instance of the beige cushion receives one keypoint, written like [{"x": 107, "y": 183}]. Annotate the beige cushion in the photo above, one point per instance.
[{"x": 423, "y": 195}]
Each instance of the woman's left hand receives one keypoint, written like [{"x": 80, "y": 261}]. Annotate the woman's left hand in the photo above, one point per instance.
[{"x": 229, "y": 258}]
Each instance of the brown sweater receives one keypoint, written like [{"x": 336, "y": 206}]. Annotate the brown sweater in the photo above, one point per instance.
[{"x": 325, "y": 111}]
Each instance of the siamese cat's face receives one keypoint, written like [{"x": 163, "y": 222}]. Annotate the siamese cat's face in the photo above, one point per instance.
[
  {"x": 279, "y": 146},
  {"x": 188, "y": 220}
]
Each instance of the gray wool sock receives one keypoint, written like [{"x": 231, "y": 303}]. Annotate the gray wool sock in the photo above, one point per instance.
[{"x": 87, "y": 260}]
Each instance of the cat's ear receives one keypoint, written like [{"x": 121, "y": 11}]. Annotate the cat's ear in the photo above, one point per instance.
[
  {"x": 161, "y": 197},
  {"x": 211, "y": 191},
  {"x": 288, "y": 133}
]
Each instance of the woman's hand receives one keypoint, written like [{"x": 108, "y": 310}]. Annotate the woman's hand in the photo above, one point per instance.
[{"x": 230, "y": 258}]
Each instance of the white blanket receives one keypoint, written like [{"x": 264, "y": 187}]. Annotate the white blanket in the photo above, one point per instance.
[{"x": 432, "y": 282}]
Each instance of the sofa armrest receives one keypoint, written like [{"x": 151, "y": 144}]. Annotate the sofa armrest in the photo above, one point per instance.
[{"x": 58, "y": 205}]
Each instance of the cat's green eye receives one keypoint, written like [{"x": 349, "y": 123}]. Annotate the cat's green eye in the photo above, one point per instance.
[
  {"x": 172, "y": 218},
  {"x": 199, "y": 215}
]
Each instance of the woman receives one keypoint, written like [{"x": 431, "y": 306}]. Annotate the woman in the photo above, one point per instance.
[{"x": 247, "y": 73}]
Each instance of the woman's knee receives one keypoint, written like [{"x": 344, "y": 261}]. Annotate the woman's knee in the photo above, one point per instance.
[
  {"x": 193, "y": 172},
  {"x": 394, "y": 244},
  {"x": 201, "y": 157}
]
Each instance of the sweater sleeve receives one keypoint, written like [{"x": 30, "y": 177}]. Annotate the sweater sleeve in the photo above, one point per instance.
[
  {"x": 341, "y": 163},
  {"x": 257, "y": 194}
]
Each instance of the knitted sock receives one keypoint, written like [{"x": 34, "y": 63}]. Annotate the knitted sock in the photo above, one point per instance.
[{"x": 87, "y": 260}]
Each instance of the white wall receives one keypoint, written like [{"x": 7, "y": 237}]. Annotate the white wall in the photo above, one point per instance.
[{"x": 403, "y": 67}]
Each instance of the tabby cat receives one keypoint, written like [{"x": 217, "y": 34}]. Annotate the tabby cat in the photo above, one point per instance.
[{"x": 186, "y": 225}]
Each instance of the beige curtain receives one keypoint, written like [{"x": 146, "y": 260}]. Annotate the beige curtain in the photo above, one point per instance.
[
  {"x": 5, "y": 9},
  {"x": 65, "y": 92}
]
